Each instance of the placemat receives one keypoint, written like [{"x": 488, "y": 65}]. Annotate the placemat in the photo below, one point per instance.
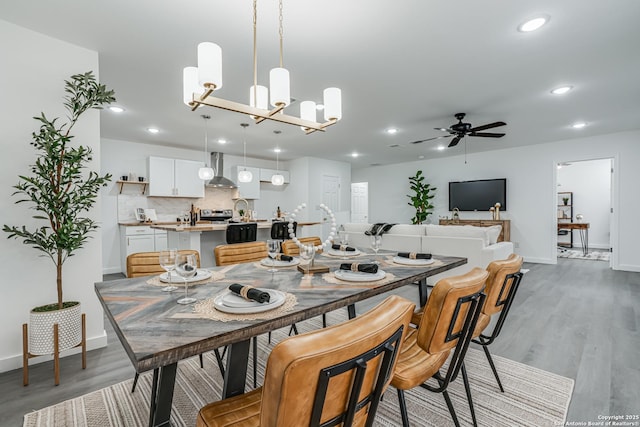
[
  {"x": 205, "y": 309},
  {"x": 215, "y": 276}
]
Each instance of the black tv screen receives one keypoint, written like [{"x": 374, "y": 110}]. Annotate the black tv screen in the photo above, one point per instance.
[{"x": 478, "y": 195}]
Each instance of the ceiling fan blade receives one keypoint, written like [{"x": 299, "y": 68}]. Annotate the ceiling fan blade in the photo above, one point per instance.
[
  {"x": 430, "y": 139},
  {"x": 455, "y": 141},
  {"x": 487, "y": 134},
  {"x": 443, "y": 129},
  {"x": 487, "y": 126}
]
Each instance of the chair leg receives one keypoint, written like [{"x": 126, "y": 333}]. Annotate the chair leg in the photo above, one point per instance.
[
  {"x": 219, "y": 360},
  {"x": 135, "y": 382},
  {"x": 467, "y": 389},
  {"x": 447, "y": 399},
  {"x": 324, "y": 320},
  {"x": 403, "y": 408},
  {"x": 493, "y": 367},
  {"x": 293, "y": 329},
  {"x": 255, "y": 362},
  {"x": 201, "y": 360},
  {"x": 269, "y": 337}
]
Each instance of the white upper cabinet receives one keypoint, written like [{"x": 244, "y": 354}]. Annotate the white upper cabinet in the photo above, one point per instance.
[
  {"x": 247, "y": 190},
  {"x": 266, "y": 174},
  {"x": 174, "y": 178}
]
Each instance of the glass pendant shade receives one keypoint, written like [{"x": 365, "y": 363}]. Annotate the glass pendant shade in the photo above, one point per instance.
[
  {"x": 279, "y": 86},
  {"x": 277, "y": 179},
  {"x": 205, "y": 173},
  {"x": 190, "y": 84},
  {"x": 263, "y": 97},
  {"x": 245, "y": 176},
  {"x": 332, "y": 104},
  {"x": 210, "y": 64}
]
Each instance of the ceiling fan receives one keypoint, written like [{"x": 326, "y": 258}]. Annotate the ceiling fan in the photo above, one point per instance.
[{"x": 460, "y": 130}]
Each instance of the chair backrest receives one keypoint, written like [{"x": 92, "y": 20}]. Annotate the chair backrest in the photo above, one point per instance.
[
  {"x": 280, "y": 229},
  {"x": 338, "y": 372},
  {"x": 289, "y": 247},
  {"x": 240, "y": 252},
  {"x": 450, "y": 316},
  {"x": 240, "y": 233},
  {"x": 148, "y": 263}
]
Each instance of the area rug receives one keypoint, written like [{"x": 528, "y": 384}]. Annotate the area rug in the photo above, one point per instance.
[
  {"x": 532, "y": 397},
  {"x": 576, "y": 254}
]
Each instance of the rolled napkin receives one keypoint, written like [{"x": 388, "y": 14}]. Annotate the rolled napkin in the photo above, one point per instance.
[
  {"x": 282, "y": 257},
  {"x": 414, "y": 255},
  {"x": 343, "y": 248},
  {"x": 363, "y": 268},
  {"x": 250, "y": 293}
]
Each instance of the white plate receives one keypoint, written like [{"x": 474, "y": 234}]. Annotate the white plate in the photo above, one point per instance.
[
  {"x": 358, "y": 276},
  {"x": 335, "y": 252},
  {"x": 230, "y": 302},
  {"x": 409, "y": 261},
  {"x": 268, "y": 262},
  {"x": 200, "y": 275}
]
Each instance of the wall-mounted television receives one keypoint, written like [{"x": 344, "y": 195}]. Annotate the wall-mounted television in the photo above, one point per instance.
[{"x": 478, "y": 195}]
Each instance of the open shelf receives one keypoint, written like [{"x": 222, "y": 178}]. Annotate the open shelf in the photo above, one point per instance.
[{"x": 123, "y": 183}]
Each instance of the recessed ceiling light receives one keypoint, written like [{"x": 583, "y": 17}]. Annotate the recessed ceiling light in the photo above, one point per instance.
[
  {"x": 354, "y": 154},
  {"x": 440, "y": 147},
  {"x": 116, "y": 109},
  {"x": 533, "y": 24},
  {"x": 153, "y": 130},
  {"x": 421, "y": 157},
  {"x": 277, "y": 150},
  {"x": 222, "y": 141},
  {"x": 561, "y": 90},
  {"x": 392, "y": 131},
  {"x": 319, "y": 107},
  {"x": 578, "y": 125}
]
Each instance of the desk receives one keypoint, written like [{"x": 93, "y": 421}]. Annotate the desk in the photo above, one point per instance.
[
  {"x": 583, "y": 229},
  {"x": 156, "y": 335}
]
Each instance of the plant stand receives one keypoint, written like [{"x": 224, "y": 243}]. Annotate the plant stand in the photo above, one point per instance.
[{"x": 56, "y": 353}]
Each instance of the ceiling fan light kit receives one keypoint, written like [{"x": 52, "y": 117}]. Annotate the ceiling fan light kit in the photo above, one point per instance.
[{"x": 201, "y": 81}]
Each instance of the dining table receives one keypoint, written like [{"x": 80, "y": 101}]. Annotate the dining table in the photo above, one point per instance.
[{"x": 157, "y": 333}]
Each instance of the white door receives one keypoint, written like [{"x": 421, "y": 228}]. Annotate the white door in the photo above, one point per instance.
[
  {"x": 330, "y": 197},
  {"x": 360, "y": 202}
]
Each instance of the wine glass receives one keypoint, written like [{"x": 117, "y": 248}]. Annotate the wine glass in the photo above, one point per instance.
[
  {"x": 344, "y": 240},
  {"x": 167, "y": 259},
  {"x": 186, "y": 267},
  {"x": 307, "y": 253},
  {"x": 273, "y": 246},
  {"x": 376, "y": 240}
]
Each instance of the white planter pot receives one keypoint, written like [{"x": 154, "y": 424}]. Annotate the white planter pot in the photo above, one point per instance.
[{"x": 69, "y": 322}]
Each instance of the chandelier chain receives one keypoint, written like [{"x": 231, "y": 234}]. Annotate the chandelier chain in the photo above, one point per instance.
[
  {"x": 255, "y": 53},
  {"x": 280, "y": 31}
]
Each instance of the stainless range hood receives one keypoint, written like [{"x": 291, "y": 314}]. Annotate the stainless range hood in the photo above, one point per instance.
[{"x": 219, "y": 181}]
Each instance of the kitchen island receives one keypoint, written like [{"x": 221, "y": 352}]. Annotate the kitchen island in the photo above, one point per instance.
[{"x": 205, "y": 237}]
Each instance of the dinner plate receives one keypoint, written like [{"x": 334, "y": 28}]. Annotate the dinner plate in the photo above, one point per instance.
[
  {"x": 230, "y": 302},
  {"x": 268, "y": 262},
  {"x": 409, "y": 261},
  {"x": 200, "y": 275},
  {"x": 335, "y": 252},
  {"x": 358, "y": 276}
]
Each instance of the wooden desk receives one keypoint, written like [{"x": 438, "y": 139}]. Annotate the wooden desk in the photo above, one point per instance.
[
  {"x": 156, "y": 332},
  {"x": 583, "y": 228}
]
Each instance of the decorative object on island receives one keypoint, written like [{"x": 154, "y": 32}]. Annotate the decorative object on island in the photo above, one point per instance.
[
  {"x": 455, "y": 215},
  {"x": 201, "y": 81},
  {"x": 60, "y": 191},
  {"x": 312, "y": 268},
  {"x": 421, "y": 200},
  {"x": 244, "y": 175},
  {"x": 277, "y": 178},
  {"x": 206, "y": 172},
  {"x": 496, "y": 211}
]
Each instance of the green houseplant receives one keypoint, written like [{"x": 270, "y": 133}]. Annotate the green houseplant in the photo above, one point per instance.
[
  {"x": 421, "y": 197},
  {"x": 60, "y": 189}
]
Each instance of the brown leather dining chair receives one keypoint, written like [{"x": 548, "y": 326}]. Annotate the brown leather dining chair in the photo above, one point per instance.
[
  {"x": 449, "y": 317},
  {"x": 289, "y": 247},
  {"x": 238, "y": 253},
  {"x": 148, "y": 263},
  {"x": 328, "y": 377}
]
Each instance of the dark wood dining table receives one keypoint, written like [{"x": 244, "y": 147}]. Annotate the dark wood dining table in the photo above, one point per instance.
[{"x": 157, "y": 333}]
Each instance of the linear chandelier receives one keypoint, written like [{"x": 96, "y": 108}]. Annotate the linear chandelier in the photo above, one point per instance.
[{"x": 201, "y": 81}]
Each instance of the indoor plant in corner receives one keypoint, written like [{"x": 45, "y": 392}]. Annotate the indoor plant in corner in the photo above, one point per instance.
[
  {"x": 60, "y": 190},
  {"x": 421, "y": 199}
]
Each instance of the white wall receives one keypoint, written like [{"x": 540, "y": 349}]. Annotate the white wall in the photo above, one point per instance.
[
  {"x": 590, "y": 183},
  {"x": 32, "y": 80},
  {"x": 531, "y": 190}
]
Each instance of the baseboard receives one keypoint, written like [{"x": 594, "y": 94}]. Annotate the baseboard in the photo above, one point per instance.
[
  {"x": 628, "y": 267},
  {"x": 111, "y": 270},
  {"x": 15, "y": 362},
  {"x": 541, "y": 260}
]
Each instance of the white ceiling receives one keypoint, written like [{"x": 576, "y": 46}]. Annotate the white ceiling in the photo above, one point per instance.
[{"x": 409, "y": 64}]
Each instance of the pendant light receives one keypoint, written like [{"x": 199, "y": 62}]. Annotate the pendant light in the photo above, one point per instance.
[
  {"x": 206, "y": 173},
  {"x": 244, "y": 175},
  {"x": 277, "y": 178}
]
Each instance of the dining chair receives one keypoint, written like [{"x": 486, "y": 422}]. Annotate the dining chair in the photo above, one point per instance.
[
  {"x": 449, "y": 317},
  {"x": 502, "y": 284},
  {"x": 289, "y": 247},
  {"x": 238, "y": 253},
  {"x": 148, "y": 263},
  {"x": 243, "y": 232},
  {"x": 328, "y": 377},
  {"x": 280, "y": 229}
]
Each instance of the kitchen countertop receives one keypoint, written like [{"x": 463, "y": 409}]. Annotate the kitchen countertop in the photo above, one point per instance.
[
  {"x": 153, "y": 223},
  {"x": 202, "y": 226}
]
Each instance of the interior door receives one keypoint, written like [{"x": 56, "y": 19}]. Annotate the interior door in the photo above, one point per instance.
[
  {"x": 360, "y": 202},
  {"x": 330, "y": 197}
]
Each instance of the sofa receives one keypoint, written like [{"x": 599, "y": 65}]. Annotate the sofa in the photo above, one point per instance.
[{"x": 478, "y": 244}]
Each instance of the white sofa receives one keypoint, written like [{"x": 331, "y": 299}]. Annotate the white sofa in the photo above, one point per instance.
[{"x": 477, "y": 244}]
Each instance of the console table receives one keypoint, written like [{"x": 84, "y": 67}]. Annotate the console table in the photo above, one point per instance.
[{"x": 505, "y": 233}]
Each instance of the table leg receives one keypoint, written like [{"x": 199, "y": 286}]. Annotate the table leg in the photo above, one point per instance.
[
  {"x": 162, "y": 395},
  {"x": 351, "y": 311},
  {"x": 584, "y": 239},
  {"x": 422, "y": 291},
  {"x": 235, "y": 375}
]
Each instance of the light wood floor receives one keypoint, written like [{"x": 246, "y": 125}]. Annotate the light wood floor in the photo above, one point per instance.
[{"x": 578, "y": 319}]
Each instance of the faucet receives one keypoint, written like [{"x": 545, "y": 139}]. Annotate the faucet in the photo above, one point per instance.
[{"x": 246, "y": 215}]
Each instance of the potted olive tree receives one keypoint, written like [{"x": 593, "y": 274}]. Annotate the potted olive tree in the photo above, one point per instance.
[
  {"x": 421, "y": 197},
  {"x": 60, "y": 190}
]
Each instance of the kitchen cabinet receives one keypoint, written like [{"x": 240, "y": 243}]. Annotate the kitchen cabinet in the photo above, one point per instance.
[
  {"x": 174, "y": 178},
  {"x": 266, "y": 174},
  {"x": 139, "y": 238},
  {"x": 247, "y": 190}
]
